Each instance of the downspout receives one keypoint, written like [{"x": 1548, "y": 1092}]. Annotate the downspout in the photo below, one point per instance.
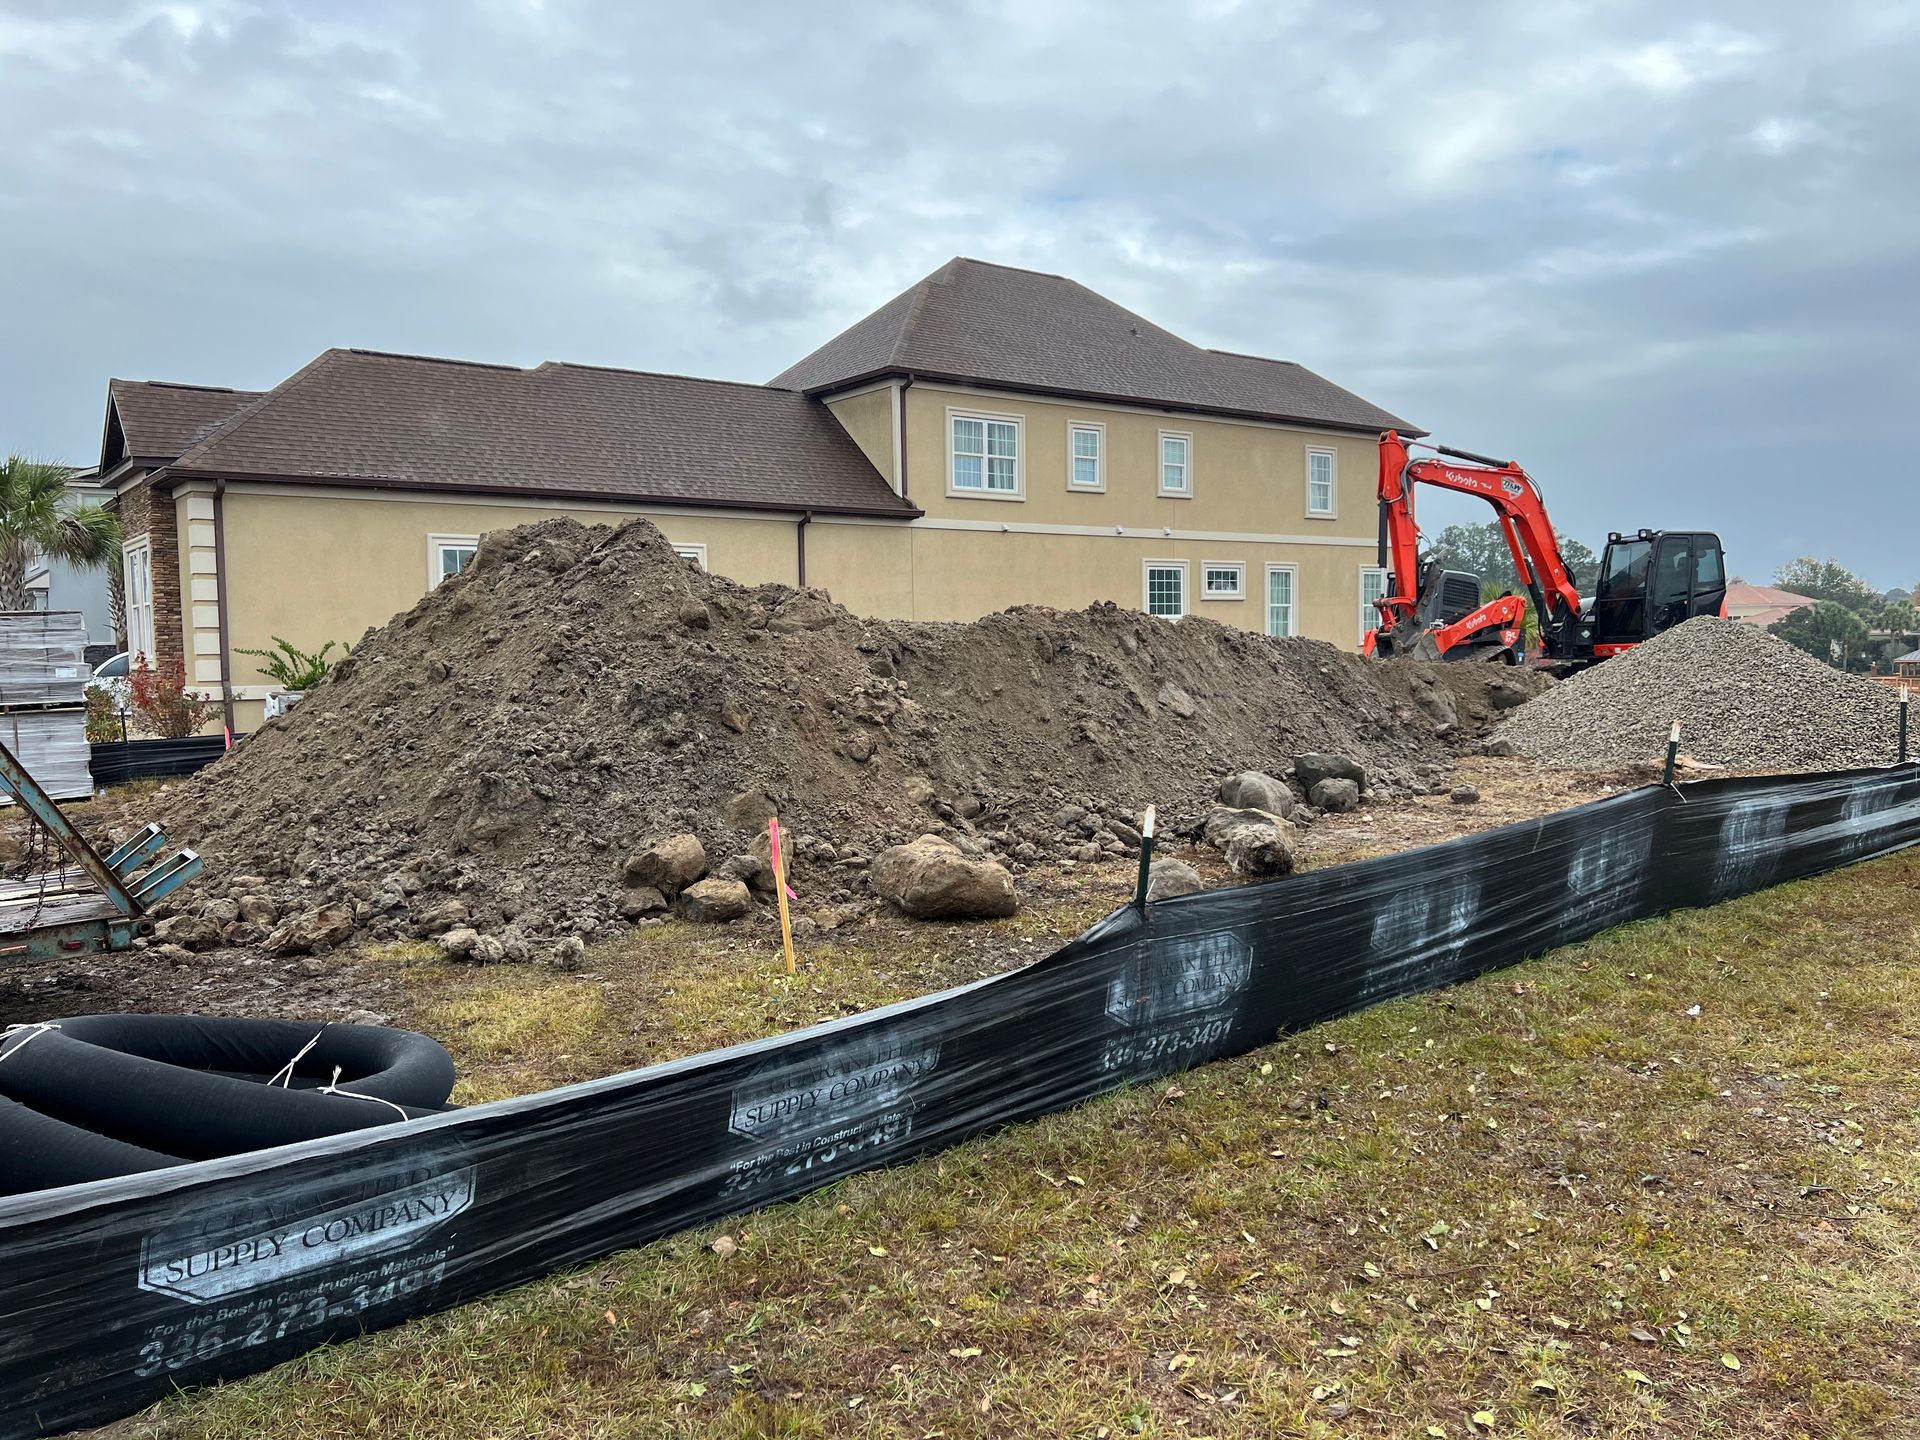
[
  {"x": 220, "y": 595},
  {"x": 906, "y": 385},
  {"x": 800, "y": 546}
]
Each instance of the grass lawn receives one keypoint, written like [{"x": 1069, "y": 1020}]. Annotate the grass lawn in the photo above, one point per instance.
[{"x": 1551, "y": 1202}]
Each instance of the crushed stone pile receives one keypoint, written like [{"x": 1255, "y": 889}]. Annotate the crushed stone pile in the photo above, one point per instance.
[
  {"x": 1744, "y": 699},
  {"x": 491, "y": 758}
]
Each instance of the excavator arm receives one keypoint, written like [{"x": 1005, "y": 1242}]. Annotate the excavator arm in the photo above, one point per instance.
[{"x": 1523, "y": 524}]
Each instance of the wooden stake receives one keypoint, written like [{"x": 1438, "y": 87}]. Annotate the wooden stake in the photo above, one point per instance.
[{"x": 780, "y": 890}]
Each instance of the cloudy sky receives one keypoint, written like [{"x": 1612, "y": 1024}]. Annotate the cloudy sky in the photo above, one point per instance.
[{"x": 1667, "y": 256}]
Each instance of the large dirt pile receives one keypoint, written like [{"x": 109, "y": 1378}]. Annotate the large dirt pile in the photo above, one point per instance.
[
  {"x": 580, "y": 691},
  {"x": 1743, "y": 698}
]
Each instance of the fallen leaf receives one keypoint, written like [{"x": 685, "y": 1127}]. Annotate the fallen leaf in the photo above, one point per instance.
[
  {"x": 1484, "y": 1303},
  {"x": 1180, "y": 1362},
  {"x": 1732, "y": 1362},
  {"x": 1336, "y": 1307},
  {"x": 1644, "y": 1335},
  {"x": 1176, "y": 1277},
  {"x": 612, "y": 1319},
  {"x": 1437, "y": 1431},
  {"x": 876, "y": 1250},
  {"x": 1546, "y": 1387},
  {"x": 1370, "y": 1270},
  {"x": 696, "y": 1388},
  {"x": 1638, "y": 1378},
  {"x": 1075, "y": 1180},
  {"x": 723, "y": 1246},
  {"x": 964, "y": 1352},
  {"x": 1482, "y": 1419}
]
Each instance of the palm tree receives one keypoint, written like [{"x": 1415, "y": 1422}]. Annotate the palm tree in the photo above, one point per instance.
[{"x": 40, "y": 518}]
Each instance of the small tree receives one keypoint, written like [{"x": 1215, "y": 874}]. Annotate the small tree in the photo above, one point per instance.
[
  {"x": 1828, "y": 631},
  {"x": 39, "y": 517},
  {"x": 292, "y": 668},
  {"x": 164, "y": 704},
  {"x": 1827, "y": 580}
]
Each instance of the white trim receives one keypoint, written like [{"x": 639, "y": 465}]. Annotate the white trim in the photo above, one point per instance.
[
  {"x": 438, "y": 543},
  {"x": 1147, "y": 567},
  {"x": 1293, "y": 600},
  {"x": 898, "y": 430},
  {"x": 1065, "y": 402},
  {"x": 695, "y": 553},
  {"x": 136, "y": 558},
  {"x": 1113, "y": 532},
  {"x": 1333, "y": 483},
  {"x": 1099, "y": 429},
  {"x": 1369, "y": 617},
  {"x": 647, "y": 510},
  {"x": 1185, "y": 437},
  {"x": 988, "y": 417},
  {"x": 1239, "y": 569}
]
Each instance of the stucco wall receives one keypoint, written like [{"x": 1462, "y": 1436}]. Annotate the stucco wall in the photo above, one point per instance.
[
  {"x": 1246, "y": 477},
  {"x": 869, "y": 418},
  {"x": 319, "y": 567}
]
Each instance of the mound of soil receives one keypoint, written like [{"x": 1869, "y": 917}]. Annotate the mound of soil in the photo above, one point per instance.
[
  {"x": 579, "y": 691},
  {"x": 1744, "y": 699}
]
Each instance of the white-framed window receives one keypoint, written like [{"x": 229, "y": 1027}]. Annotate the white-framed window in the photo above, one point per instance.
[
  {"x": 448, "y": 555},
  {"x": 1176, "y": 463},
  {"x": 136, "y": 575},
  {"x": 1283, "y": 588},
  {"x": 1373, "y": 584},
  {"x": 983, "y": 455},
  {"x": 1321, "y": 492},
  {"x": 1223, "y": 580},
  {"x": 1086, "y": 455},
  {"x": 1164, "y": 588},
  {"x": 696, "y": 553}
]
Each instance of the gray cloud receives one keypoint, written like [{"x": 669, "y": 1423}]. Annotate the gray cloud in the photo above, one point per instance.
[{"x": 1668, "y": 260}]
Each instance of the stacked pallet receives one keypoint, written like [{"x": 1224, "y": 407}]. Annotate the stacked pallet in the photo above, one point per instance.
[{"x": 43, "y": 710}]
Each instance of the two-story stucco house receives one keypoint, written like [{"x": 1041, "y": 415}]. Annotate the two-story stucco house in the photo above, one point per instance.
[{"x": 990, "y": 437}]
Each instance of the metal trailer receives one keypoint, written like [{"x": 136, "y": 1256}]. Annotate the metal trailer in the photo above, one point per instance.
[{"x": 90, "y": 903}]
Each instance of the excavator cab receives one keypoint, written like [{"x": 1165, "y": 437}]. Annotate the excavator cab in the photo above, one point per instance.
[{"x": 1650, "y": 582}]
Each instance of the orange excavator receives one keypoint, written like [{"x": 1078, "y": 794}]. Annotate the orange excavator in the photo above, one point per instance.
[{"x": 1649, "y": 581}]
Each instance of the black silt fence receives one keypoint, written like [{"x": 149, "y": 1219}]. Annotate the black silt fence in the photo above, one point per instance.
[
  {"x": 116, "y": 1292},
  {"x": 115, "y": 762}
]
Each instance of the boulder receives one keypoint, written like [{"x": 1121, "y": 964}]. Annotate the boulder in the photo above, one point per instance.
[
  {"x": 714, "y": 900},
  {"x": 258, "y": 909},
  {"x": 1508, "y": 695},
  {"x": 930, "y": 879},
  {"x": 1252, "y": 790},
  {"x": 320, "y": 929},
  {"x": 191, "y": 932},
  {"x": 641, "y": 900},
  {"x": 1222, "y": 822},
  {"x": 668, "y": 865},
  {"x": 752, "y": 870},
  {"x": 1260, "y": 852},
  {"x": 1335, "y": 795},
  {"x": 1464, "y": 795},
  {"x": 1313, "y": 767},
  {"x": 1168, "y": 878},
  {"x": 1438, "y": 705},
  {"x": 458, "y": 943}
]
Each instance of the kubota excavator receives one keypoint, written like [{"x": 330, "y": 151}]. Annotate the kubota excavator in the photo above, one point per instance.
[{"x": 1649, "y": 581}]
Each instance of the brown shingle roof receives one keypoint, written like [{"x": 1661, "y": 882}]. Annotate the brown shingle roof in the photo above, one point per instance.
[
  {"x": 569, "y": 431},
  {"x": 1025, "y": 330},
  {"x": 1742, "y": 594},
  {"x": 160, "y": 419}
]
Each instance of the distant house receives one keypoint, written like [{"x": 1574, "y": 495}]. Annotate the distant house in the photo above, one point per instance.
[
  {"x": 58, "y": 585},
  {"x": 1907, "y": 666},
  {"x": 1763, "y": 605},
  {"x": 989, "y": 437}
]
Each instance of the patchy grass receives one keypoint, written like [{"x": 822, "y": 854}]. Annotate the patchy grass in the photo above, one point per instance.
[{"x": 1552, "y": 1199}]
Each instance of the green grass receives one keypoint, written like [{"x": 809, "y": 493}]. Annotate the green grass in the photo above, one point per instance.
[{"x": 1551, "y": 1198}]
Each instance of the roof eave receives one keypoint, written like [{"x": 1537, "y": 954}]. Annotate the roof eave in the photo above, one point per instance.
[
  {"x": 1406, "y": 428},
  {"x": 535, "y": 492}
]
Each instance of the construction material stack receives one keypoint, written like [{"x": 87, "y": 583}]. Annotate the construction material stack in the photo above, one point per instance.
[{"x": 43, "y": 709}]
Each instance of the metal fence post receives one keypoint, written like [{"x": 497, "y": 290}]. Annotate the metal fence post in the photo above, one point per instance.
[
  {"x": 1903, "y": 725},
  {"x": 1146, "y": 860},
  {"x": 1673, "y": 752}
]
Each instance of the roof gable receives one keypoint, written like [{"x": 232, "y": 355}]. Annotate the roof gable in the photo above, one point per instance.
[
  {"x": 161, "y": 420},
  {"x": 1027, "y": 330},
  {"x": 362, "y": 417}
]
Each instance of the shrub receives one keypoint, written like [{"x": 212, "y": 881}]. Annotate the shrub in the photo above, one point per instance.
[
  {"x": 103, "y": 716},
  {"x": 164, "y": 704},
  {"x": 292, "y": 668}
]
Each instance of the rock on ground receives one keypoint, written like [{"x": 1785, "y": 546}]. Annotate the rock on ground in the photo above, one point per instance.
[
  {"x": 1168, "y": 877},
  {"x": 715, "y": 899},
  {"x": 668, "y": 865},
  {"x": 1744, "y": 699},
  {"x": 930, "y": 879},
  {"x": 1310, "y": 769},
  {"x": 1252, "y": 790},
  {"x": 1335, "y": 795}
]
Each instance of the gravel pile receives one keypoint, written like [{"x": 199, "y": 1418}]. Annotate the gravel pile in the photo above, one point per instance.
[
  {"x": 1744, "y": 699},
  {"x": 580, "y": 691}
]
